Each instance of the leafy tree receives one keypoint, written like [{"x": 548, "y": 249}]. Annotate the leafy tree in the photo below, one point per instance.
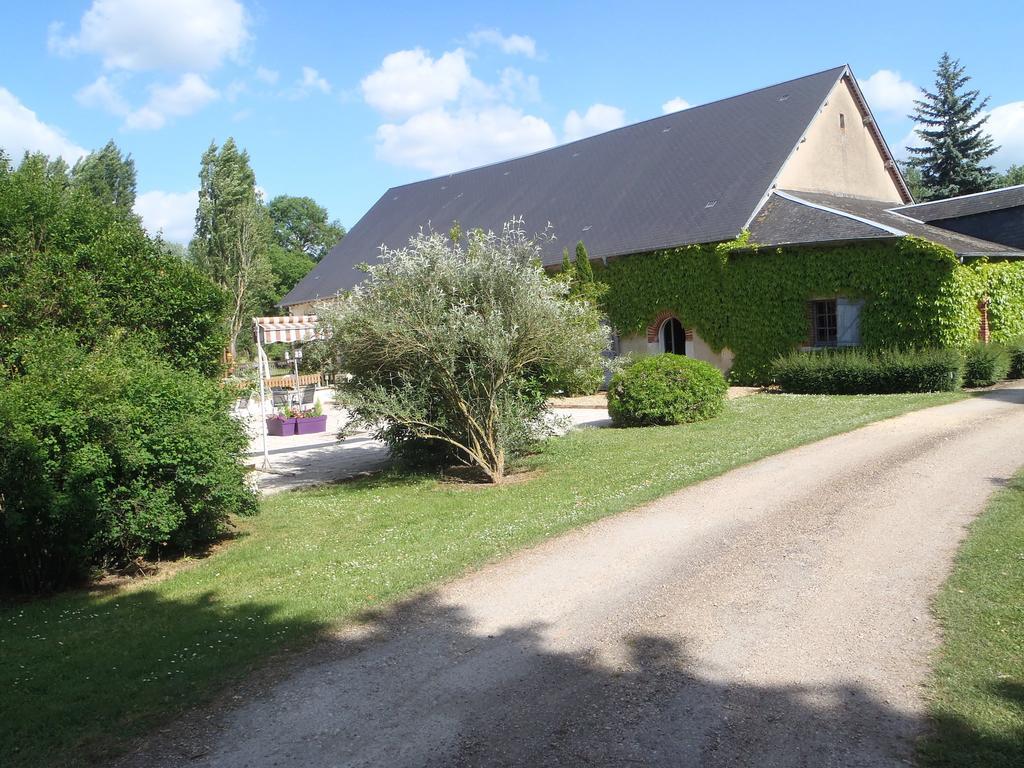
[
  {"x": 302, "y": 226},
  {"x": 1014, "y": 175},
  {"x": 233, "y": 233},
  {"x": 912, "y": 175},
  {"x": 951, "y": 123},
  {"x": 456, "y": 345},
  {"x": 286, "y": 269},
  {"x": 69, "y": 261},
  {"x": 108, "y": 175}
]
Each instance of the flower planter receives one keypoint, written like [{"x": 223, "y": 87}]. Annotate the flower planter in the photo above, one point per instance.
[
  {"x": 311, "y": 424},
  {"x": 281, "y": 427}
]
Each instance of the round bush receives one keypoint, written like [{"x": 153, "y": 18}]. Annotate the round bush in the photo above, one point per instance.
[
  {"x": 985, "y": 364},
  {"x": 665, "y": 389},
  {"x": 112, "y": 454}
]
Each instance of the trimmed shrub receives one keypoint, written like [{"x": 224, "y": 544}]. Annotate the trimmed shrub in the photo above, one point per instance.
[
  {"x": 1015, "y": 349},
  {"x": 110, "y": 455},
  {"x": 665, "y": 389},
  {"x": 985, "y": 364},
  {"x": 857, "y": 372}
]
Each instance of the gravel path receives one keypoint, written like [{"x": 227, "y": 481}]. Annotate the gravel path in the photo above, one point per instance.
[{"x": 774, "y": 616}]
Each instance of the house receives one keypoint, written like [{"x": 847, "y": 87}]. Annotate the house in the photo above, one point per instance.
[{"x": 732, "y": 231}]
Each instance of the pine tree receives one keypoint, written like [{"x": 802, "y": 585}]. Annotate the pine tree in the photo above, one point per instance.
[
  {"x": 568, "y": 272},
  {"x": 107, "y": 175},
  {"x": 950, "y": 123}
]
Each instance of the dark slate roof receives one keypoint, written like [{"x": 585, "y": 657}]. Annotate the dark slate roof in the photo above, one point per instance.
[
  {"x": 688, "y": 177},
  {"x": 966, "y": 205},
  {"x": 890, "y": 223},
  {"x": 786, "y": 220}
]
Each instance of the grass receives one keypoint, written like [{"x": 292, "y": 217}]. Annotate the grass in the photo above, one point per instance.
[
  {"x": 83, "y": 673},
  {"x": 977, "y": 704}
]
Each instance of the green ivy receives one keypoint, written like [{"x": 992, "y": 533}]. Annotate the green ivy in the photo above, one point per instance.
[
  {"x": 754, "y": 300},
  {"x": 1003, "y": 283}
]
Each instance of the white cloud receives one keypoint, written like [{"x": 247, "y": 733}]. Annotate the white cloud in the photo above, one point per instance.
[
  {"x": 886, "y": 91},
  {"x": 408, "y": 82},
  {"x": 137, "y": 35},
  {"x": 597, "y": 119},
  {"x": 441, "y": 141},
  {"x": 268, "y": 76},
  {"x": 515, "y": 85},
  {"x": 103, "y": 94},
  {"x": 309, "y": 82},
  {"x": 1006, "y": 124},
  {"x": 22, "y": 131},
  {"x": 511, "y": 44},
  {"x": 191, "y": 94},
  {"x": 677, "y": 104},
  {"x": 173, "y": 213}
]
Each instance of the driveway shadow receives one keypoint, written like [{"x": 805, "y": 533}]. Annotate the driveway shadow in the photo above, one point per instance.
[{"x": 422, "y": 685}]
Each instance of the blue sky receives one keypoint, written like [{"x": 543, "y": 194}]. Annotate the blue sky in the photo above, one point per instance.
[{"x": 340, "y": 101}]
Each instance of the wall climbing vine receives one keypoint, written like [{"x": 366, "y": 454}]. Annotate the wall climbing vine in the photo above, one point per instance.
[
  {"x": 753, "y": 300},
  {"x": 1003, "y": 283}
]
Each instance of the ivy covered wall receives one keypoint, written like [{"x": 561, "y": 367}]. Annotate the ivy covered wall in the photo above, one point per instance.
[
  {"x": 754, "y": 301},
  {"x": 1003, "y": 284}
]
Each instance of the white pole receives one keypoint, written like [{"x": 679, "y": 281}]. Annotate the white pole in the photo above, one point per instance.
[{"x": 262, "y": 356}]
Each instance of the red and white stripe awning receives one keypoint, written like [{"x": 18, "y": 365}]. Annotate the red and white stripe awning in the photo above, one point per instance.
[{"x": 269, "y": 330}]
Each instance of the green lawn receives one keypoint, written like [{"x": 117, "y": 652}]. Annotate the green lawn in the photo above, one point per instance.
[
  {"x": 82, "y": 673},
  {"x": 978, "y": 688}
]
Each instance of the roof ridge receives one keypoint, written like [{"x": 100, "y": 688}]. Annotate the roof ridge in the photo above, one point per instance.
[
  {"x": 957, "y": 197},
  {"x": 839, "y": 70}
]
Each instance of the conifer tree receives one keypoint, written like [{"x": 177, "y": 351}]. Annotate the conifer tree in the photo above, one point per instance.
[{"x": 951, "y": 125}]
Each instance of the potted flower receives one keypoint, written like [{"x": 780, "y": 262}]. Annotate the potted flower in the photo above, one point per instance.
[
  {"x": 282, "y": 424},
  {"x": 313, "y": 420}
]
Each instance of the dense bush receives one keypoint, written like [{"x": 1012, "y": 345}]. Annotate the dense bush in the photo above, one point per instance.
[
  {"x": 110, "y": 454},
  {"x": 1015, "y": 349},
  {"x": 985, "y": 364},
  {"x": 665, "y": 389},
  {"x": 69, "y": 261},
  {"x": 860, "y": 372},
  {"x": 457, "y": 344}
]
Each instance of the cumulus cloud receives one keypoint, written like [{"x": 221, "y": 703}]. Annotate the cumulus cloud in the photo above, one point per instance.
[
  {"x": 677, "y": 104},
  {"x": 510, "y": 44},
  {"x": 597, "y": 119},
  {"x": 22, "y": 131},
  {"x": 309, "y": 82},
  {"x": 441, "y": 141},
  {"x": 886, "y": 91},
  {"x": 103, "y": 94},
  {"x": 411, "y": 81},
  {"x": 138, "y": 35},
  {"x": 1006, "y": 124},
  {"x": 515, "y": 85},
  {"x": 188, "y": 96},
  {"x": 172, "y": 213},
  {"x": 268, "y": 76}
]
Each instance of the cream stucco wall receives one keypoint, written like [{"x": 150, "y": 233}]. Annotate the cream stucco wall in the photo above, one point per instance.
[
  {"x": 638, "y": 346},
  {"x": 841, "y": 159}
]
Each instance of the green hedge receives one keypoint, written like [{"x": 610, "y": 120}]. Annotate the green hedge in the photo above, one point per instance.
[
  {"x": 665, "y": 389},
  {"x": 109, "y": 455},
  {"x": 985, "y": 364},
  {"x": 860, "y": 372},
  {"x": 1015, "y": 349},
  {"x": 916, "y": 294}
]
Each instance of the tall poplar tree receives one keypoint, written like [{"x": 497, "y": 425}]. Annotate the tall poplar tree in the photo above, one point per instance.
[
  {"x": 107, "y": 175},
  {"x": 951, "y": 125},
  {"x": 233, "y": 232}
]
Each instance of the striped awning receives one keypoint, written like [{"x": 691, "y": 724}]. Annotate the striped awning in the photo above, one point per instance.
[{"x": 285, "y": 328}]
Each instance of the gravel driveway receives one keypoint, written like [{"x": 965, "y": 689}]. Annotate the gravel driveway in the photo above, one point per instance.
[{"x": 774, "y": 616}]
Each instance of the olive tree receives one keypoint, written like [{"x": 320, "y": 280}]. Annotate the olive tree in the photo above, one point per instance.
[{"x": 458, "y": 343}]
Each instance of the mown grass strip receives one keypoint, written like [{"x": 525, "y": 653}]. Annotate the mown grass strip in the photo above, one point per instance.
[{"x": 977, "y": 705}]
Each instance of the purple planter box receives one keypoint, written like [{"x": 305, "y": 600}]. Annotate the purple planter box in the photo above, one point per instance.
[
  {"x": 311, "y": 424},
  {"x": 281, "y": 427}
]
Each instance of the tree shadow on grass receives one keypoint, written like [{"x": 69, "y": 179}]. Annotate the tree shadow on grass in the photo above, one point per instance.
[
  {"x": 83, "y": 673},
  {"x": 423, "y": 684}
]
